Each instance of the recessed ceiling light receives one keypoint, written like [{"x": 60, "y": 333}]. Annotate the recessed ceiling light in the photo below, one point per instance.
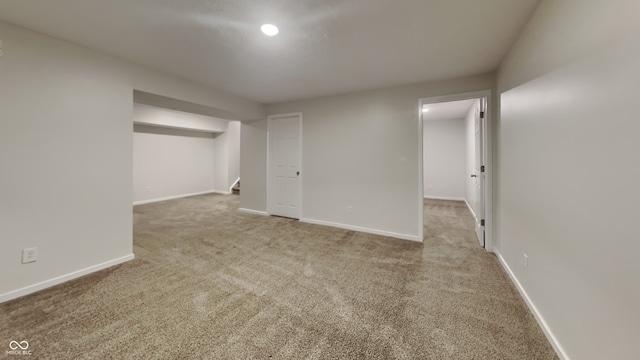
[
  {"x": 425, "y": 109},
  {"x": 269, "y": 29}
]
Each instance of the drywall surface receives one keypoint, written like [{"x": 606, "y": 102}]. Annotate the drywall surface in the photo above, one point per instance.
[
  {"x": 444, "y": 159},
  {"x": 233, "y": 132},
  {"x": 227, "y": 158},
  {"x": 171, "y": 162},
  {"x": 253, "y": 166},
  {"x": 66, "y": 154},
  {"x": 221, "y": 159},
  {"x": 470, "y": 185},
  {"x": 568, "y": 173},
  {"x": 154, "y": 116},
  {"x": 359, "y": 150}
]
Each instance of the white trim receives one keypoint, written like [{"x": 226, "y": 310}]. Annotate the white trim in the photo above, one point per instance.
[
  {"x": 532, "y": 307},
  {"x": 363, "y": 229},
  {"x": 488, "y": 201},
  {"x": 142, "y": 202},
  {"x": 450, "y": 198},
  {"x": 470, "y": 209},
  {"x": 254, "y": 212},
  {"x": 270, "y": 118},
  {"x": 64, "y": 278}
]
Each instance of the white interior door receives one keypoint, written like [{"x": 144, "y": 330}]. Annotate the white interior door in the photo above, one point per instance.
[
  {"x": 480, "y": 119},
  {"x": 284, "y": 165}
]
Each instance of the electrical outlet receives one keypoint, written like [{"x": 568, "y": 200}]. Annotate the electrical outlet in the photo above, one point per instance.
[
  {"x": 29, "y": 255},
  {"x": 350, "y": 209},
  {"x": 526, "y": 261}
]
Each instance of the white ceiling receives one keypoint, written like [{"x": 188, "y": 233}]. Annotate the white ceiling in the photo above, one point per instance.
[
  {"x": 448, "y": 110},
  {"x": 324, "y": 46}
]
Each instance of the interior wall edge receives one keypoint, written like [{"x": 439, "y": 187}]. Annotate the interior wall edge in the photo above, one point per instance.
[{"x": 553, "y": 340}]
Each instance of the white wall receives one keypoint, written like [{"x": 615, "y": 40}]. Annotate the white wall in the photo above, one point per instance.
[
  {"x": 171, "y": 162},
  {"x": 253, "y": 166},
  {"x": 568, "y": 160},
  {"x": 227, "y": 158},
  {"x": 358, "y": 149},
  {"x": 182, "y": 153},
  {"x": 221, "y": 159},
  {"x": 66, "y": 155},
  {"x": 233, "y": 131},
  {"x": 444, "y": 159},
  {"x": 159, "y": 117},
  {"x": 470, "y": 188}
]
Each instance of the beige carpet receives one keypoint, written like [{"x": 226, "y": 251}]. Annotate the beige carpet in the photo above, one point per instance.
[{"x": 211, "y": 283}]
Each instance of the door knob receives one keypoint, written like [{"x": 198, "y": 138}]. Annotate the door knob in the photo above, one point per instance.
[
  {"x": 298, "y": 173},
  {"x": 473, "y": 175}
]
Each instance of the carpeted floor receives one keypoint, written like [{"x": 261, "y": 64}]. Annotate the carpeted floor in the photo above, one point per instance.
[{"x": 209, "y": 282}]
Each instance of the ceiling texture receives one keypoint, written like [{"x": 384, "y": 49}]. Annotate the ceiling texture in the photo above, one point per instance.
[{"x": 324, "y": 47}]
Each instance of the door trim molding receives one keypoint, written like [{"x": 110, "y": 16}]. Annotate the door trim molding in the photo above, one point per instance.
[
  {"x": 488, "y": 147},
  {"x": 270, "y": 119}
]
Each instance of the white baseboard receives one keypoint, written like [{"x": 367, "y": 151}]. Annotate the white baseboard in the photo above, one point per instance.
[
  {"x": 470, "y": 209},
  {"x": 255, "y": 212},
  {"x": 363, "y": 229},
  {"x": 142, "y": 202},
  {"x": 444, "y": 198},
  {"x": 64, "y": 278},
  {"x": 532, "y": 307}
]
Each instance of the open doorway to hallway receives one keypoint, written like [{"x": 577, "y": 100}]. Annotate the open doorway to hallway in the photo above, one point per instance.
[
  {"x": 179, "y": 153},
  {"x": 454, "y": 159}
]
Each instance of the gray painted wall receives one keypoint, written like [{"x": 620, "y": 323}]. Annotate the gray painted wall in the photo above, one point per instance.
[
  {"x": 568, "y": 173},
  {"x": 66, "y": 155},
  {"x": 444, "y": 158},
  {"x": 359, "y": 150},
  {"x": 171, "y": 162}
]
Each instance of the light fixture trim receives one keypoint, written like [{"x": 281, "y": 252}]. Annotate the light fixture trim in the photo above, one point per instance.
[{"x": 269, "y": 29}]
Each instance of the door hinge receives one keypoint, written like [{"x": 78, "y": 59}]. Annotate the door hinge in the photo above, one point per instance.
[
  {"x": 482, "y": 168},
  {"x": 482, "y": 222},
  {"x": 481, "y": 114}
]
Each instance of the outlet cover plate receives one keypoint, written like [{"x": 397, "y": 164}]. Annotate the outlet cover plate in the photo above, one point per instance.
[{"x": 29, "y": 255}]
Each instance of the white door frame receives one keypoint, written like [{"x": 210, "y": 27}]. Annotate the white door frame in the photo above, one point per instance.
[
  {"x": 488, "y": 146},
  {"x": 270, "y": 119}
]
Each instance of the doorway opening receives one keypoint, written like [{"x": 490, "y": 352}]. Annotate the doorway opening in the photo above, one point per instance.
[{"x": 455, "y": 156}]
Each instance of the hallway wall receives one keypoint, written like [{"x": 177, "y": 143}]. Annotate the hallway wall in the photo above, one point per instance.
[
  {"x": 444, "y": 159},
  {"x": 567, "y": 173}
]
